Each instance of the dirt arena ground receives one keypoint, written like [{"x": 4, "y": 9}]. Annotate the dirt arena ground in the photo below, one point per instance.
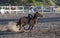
[{"x": 40, "y": 30}]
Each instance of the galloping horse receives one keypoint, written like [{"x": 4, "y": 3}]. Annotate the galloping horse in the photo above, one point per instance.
[{"x": 24, "y": 21}]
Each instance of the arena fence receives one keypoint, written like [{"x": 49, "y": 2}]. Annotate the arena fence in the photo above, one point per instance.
[{"x": 24, "y": 9}]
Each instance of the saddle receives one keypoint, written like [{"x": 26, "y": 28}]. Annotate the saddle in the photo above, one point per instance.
[{"x": 28, "y": 19}]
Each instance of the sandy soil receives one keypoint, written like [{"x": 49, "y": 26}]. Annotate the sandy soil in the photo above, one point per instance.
[{"x": 40, "y": 30}]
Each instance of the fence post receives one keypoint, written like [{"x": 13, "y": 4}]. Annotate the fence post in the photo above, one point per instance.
[
  {"x": 16, "y": 9},
  {"x": 10, "y": 9},
  {"x": 51, "y": 9},
  {"x": 23, "y": 9},
  {"x": 2, "y": 10},
  {"x": 42, "y": 9}
]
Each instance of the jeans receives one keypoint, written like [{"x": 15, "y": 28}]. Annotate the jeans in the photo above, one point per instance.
[{"x": 30, "y": 16}]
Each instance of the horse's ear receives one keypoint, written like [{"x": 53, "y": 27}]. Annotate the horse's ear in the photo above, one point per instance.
[{"x": 37, "y": 12}]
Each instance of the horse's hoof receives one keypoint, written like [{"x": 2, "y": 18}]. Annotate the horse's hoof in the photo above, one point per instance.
[
  {"x": 21, "y": 31},
  {"x": 8, "y": 30},
  {"x": 27, "y": 31}
]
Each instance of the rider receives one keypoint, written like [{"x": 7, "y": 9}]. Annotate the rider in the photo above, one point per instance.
[{"x": 31, "y": 10}]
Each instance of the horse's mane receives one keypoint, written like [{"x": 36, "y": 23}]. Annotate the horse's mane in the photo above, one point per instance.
[{"x": 34, "y": 16}]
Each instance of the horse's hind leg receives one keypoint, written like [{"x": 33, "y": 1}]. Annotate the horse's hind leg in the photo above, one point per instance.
[
  {"x": 19, "y": 27},
  {"x": 23, "y": 26}
]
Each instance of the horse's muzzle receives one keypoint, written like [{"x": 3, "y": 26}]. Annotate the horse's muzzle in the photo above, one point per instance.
[{"x": 41, "y": 15}]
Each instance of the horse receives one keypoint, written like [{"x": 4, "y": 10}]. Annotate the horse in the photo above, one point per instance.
[{"x": 24, "y": 21}]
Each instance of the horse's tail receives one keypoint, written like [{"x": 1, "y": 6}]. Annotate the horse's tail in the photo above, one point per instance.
[{"x": 19, "y": 22}]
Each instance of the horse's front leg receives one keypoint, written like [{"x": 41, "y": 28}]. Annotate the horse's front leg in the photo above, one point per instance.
[{"x": 30, "y": 27}]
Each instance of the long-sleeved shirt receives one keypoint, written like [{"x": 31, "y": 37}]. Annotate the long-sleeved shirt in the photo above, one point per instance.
[{"x": 31, "y": 11}]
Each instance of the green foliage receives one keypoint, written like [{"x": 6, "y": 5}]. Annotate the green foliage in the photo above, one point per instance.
[
  {"x": 43, "y": 2},
  {"x": 34, "y": 2}
]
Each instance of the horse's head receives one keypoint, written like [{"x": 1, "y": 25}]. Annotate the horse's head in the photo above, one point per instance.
[{"x": 38, "y": 14}]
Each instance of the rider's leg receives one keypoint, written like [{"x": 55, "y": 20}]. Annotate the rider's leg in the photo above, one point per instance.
[{"x": 29, "y": 16}]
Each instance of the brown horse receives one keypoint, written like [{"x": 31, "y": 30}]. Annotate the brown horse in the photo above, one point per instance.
[{"x": 24, "y": 21}]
